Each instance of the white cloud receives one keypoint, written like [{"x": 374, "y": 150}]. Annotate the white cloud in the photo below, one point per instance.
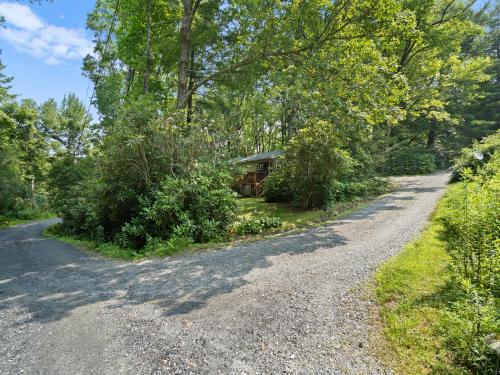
[{"x": 29, "y": 33}]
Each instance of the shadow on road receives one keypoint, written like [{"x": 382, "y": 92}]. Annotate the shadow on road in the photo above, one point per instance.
[{"x": 50, "y": 279}]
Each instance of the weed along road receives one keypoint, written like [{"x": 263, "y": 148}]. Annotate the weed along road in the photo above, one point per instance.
[{"x": 292, "y": 304}]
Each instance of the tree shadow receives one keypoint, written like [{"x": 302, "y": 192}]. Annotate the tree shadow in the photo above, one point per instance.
[
  {"x": 395, "y": 200},
  {"x": 50, "y": 279}
]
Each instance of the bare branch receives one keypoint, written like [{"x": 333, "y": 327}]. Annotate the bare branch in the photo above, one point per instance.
[{"x": 451, "y": 17}]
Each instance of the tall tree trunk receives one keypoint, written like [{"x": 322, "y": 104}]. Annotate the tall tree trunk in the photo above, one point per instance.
[
  {"x": 431, "y": 136},
  {"x": 283, "y": 130},
  {"x": 33, "y": 199},
  {"x": 148, "y": 46},
  {"x": 189, "y": 114},
  {"x": 185, "y": 55},
  {"x": 130, "y": 78}
]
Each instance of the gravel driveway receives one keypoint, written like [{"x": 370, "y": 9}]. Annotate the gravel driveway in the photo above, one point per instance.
[{"x": 292, "y": 304}]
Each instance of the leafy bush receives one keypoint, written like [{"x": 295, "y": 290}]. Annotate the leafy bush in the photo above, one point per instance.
[
  {"x": 341, "y": 191},
  {"x": 409, "y": 160},
  {"x": 472, "y": 225},
  {"x": 73, "y": 195},
  {"x": 317, "y": 172},
  {"x": 472, "y": 231},
  {"x": 277, "y": 189},
  {"x": 196, "y": 208},
  {"x": 313, "y": 159},
  {"x": 258, "y": 225},
  {"x": 488, "y": 146},
  {"x": 199, "y": 207}
]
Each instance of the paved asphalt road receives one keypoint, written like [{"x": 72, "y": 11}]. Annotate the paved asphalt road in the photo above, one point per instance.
[{"x": 293, "y": 304}]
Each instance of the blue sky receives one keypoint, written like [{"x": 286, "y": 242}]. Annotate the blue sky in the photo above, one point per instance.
[{"x": 43, "y": 45}]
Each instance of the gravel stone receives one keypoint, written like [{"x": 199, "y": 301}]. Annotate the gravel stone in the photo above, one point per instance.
[{"x": 288, "y": 305}]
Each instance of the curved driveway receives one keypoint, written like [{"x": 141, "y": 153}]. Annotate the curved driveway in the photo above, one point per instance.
[{"x": 293, "y": 304}]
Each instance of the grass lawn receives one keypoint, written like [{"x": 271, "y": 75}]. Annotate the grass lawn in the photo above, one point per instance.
[
  {"x": 6, "y": 222},
  {"x": 414, "y": 295},
  {"x": 250, "y": 208},
  {"x": 403, "y": 284}
]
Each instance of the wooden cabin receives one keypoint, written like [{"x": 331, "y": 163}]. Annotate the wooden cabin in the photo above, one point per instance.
[{"x": 257, "y": 168}]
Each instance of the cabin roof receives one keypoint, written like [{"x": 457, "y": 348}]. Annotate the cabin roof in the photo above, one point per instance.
[{"x": 265, "y": 156}]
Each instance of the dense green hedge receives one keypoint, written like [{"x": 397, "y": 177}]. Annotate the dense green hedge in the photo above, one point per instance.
[
  {"x": 409, "y": 160},
  {"x": 487, "y": 147},
  {"x": 471, "y": 219},
  {"x": 196, "y": 207}
]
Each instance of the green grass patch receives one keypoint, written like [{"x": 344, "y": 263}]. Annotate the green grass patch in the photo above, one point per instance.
[
  {"x": 104, "y": 248},
  {"x": 416, "y": 296},
  {"x": 111, "y": 250},
  {"x": 253, "y": 208},
  {"x": 7, "y": 222},
  {"x": 405, "y": 286}
]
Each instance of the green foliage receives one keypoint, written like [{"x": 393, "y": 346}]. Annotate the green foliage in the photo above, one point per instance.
[
  {"x": 277, "y": 189},
  {"x": 72, "y": 196},
  {"x": 472, "y": 231},
  {"x": 473, "y": 228},
  {"x": 312, "y": 160},
  {"x": 257, "y": 225},
  {"x": 409, "y": 160},
  {"x": 67, "y": 126},
  {"x": 440, "y": 296},
  {"x": 11, "y": 183},
  {"x": 351, "y": 190},
  {"x": 23, "y": 158},
  {"x": 487, "y": 147},
  {"x": 195, "y": 208},
  {"x": 198, "y": 207},
  {"x": 471, "y": 220}
]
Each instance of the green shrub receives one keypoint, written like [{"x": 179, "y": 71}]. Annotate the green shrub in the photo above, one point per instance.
[
  {"x": 73, "y": 196},
  {"x": 409, "y": 160},
  {"x": 313, "y": 159},
  {"x": 342, "y": 191},
  {"x": 258, "y": 225},
  {"x": 464, "y": 325},
  {"x": 199, "y": 207},
  {"x": 196, "y": 207},
  {"x": 488, "y": 146},
  {"x": 277, "y": 189},
  {"x": 472, "y": 225},
  {"x": 472, "y": 231},
  {"x": 182, "y": 210}
]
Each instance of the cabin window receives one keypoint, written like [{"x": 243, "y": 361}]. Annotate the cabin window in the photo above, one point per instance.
[{"x": 262, "y": 167}]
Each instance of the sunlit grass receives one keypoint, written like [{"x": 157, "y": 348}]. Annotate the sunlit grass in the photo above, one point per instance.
[
  {"x": 6, "y": 222},
  {"x": 250, "y": 208},
  {"x": 412, "y": 290}
]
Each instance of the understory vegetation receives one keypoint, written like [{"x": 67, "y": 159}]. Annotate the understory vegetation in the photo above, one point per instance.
[
  {"x": 440, "y": 297},
  {"x": 351, "y": 90}
]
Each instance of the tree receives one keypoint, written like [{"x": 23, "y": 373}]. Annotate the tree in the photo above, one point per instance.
[
  {"x": 68, "y": 126},
  {"x": 313, "y": 158}
]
